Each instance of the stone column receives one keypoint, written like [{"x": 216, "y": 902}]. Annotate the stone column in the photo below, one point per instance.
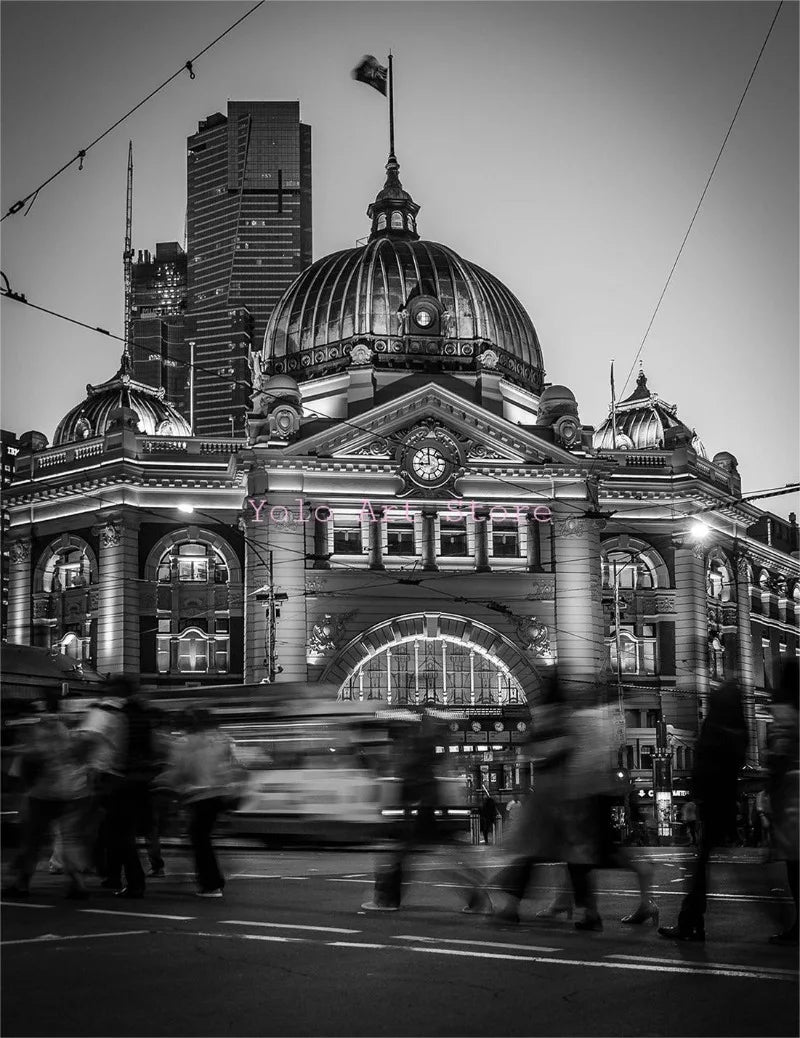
[
  {"x": 282, "y": 532},
  {"x": 534, "y": 550},
  {"x": 481, "y": 541},
  {"x": 376, "y": 539},
  {"x": 118, "y": 607},
  {"x": 20, "y": 591},
  {"x": 578, "y": 605},
  {"x": 691, "y": 636},
  {"x": 321, "y": 540},
  {"x": 745, "y": 656},
  {"x": 429, "y": 539}
]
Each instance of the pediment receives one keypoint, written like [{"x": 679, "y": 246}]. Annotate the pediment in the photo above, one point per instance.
[{"x": 484, "y": 436}]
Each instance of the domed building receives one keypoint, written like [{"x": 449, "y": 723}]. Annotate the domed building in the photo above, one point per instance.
[
  {"x": 154, "y": 415},
  {"x": 415, "y": 518}
]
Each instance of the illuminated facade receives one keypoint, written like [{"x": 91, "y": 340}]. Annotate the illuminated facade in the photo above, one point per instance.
[{"x": 415, "y": 515}]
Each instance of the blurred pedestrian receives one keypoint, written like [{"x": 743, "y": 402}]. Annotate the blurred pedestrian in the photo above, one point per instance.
[
  {"x": 102, "y": 733},
  {"x": 53, "y": 774},
  {"x": 784, "y": 775},
  {"x": 690, "y": 820},
  {"x": 764, "y": 816},
  {"x": 719, "y": 757},
  {"x": 488, "y": 816},
  {"x": 205, "y": 774}
]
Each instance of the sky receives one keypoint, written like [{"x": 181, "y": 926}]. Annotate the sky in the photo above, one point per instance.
[{"x": 562, "y": 146}]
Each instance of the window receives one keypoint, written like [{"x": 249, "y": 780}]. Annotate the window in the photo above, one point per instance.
[
  {"x": 190, "y": 563},
  {"x": 347, "y": 537},
  {"x": 718, "y": 581},
  {"x": 646, "y": 754},
  {"x": 653, "y": 717},
  {"x": 400, "y": 539},
  {"x": 627, "y": 570},
  {"x": 505, "y": 540},
  {"x": 716, "y": 656},
  {"x": 382, "y": 222},
  {"x": 637, "y": 654},
  {"x": 453, "y": 538},
  {"x": 397, "y": 221},
  {"x": 66, "y": 569},
  {"x": 194, "y": 648}
]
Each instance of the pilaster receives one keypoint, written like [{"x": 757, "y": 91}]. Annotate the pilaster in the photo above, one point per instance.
[
  {"x": 19, "y": 591},
  {"x": 118, "y": 612},
  {"x": 691, "y": 636},
  {"x": 578, "y": 603},
  {"x": 745, "y": 656}
]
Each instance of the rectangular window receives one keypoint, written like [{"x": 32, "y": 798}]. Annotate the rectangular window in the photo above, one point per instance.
[
  {"x": 505, "y": 540},
  {"x": 400, "y": 539},
  {"x": 637, "y": 654},
  {"x": 646, "y": 757},
  {"x": 453, "y": 538},
  {"x": 347, "y": 537}
]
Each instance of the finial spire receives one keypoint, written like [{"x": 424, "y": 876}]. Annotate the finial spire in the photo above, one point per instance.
[
  {"x": 391, "y": 109},
  {"x": 127, "y": 255}
]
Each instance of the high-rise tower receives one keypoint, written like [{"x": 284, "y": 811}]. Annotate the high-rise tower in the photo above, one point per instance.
[
  {"x": 249, "y": 237},
  {"x": 159, "y": 351}
]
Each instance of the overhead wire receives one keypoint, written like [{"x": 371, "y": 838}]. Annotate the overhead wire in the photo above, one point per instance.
[
  {"x": 188, "y": 66},
  {"x": 703, "y": 195}
]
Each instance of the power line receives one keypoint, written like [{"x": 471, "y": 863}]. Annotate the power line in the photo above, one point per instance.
[
  {"x": 703, "y": 195},
  {"x": 81, "y": 154}
]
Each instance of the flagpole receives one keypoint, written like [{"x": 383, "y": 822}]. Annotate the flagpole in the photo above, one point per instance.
[
  {"x": 391, "y": 108},
  {"x": 613, "y": 411}
]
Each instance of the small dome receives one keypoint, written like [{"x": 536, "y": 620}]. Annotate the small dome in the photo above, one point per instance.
[
  {"x": 91, "y": 418},
  {"x": 281, "y": 384},
  {"x": 725, "y": 460},
  {"x": 643, "y": 418},
  {"x": 557, "y": 394}
]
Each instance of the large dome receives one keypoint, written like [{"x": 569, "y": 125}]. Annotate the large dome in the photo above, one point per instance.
[
  {"x": 372, "y": 295},
  {"x": 91, "y": 417}
]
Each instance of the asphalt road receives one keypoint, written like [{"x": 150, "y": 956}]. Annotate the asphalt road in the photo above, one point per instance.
[{"x": 288, "y": 951}]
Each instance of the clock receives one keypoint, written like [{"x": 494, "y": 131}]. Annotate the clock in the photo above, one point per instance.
[{"x": 428, "y": 463}]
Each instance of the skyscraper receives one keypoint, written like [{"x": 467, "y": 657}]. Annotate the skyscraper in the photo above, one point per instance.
[
  {"x": 249, "y": 237},
  {"x": 159, "y": 352}
]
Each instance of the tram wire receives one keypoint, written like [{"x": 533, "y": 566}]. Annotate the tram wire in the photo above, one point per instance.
[{"x": 81, "y": 154}]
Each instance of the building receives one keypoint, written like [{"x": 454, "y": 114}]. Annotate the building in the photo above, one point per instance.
[
  {"x": 416, "y": 516},
  {"x": 9, "y": 448},
  {"x": 249, "y": 237},
  {"x": 159, "y": 352}
]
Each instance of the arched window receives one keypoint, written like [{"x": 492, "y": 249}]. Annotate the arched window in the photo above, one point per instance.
[
  {"x": 627, "y": 569},
  {"x": 719, "y": 579},
  {"x": 193, "y": 561},
  {"x": 397, "y": 221},
  {"x": 67, "y": 567},
  {"x": 382, "y": 222},
  {"x": 764, "y": 580},
  {"x": 196, "y": 652},
  {"x": 412, "y": 224}
]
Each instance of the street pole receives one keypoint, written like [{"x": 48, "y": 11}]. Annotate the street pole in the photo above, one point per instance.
[{"x": 271, "y": 625}]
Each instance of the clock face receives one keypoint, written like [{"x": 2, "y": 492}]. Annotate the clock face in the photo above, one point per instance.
[
  {"x": 428, "y": 463},
  {"x": 424, "y": 318}
]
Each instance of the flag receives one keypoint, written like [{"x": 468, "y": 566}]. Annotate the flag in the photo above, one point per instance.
[{"x": 371, "y": 73}]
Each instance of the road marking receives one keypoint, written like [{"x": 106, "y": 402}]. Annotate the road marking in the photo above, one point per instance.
[
  {"x": 138, "y": 915},
  {"x": 299, "y": 878},
  {"x": 22, "y": 904},
  {"x": 642, "y": 966},
  {"x": 354, "y": 944},
  {"x": 249, "y": 937},
  {"x": 286, "y": 926},
  {"x": 680, "y": 879},
  {"x": 255, "y": 875},
  {"x": 712, "y": 965},
  {"x": 482, "y": 944},
  {"x": 49, "y": 937},
  {"x": 357, "y": 875}
]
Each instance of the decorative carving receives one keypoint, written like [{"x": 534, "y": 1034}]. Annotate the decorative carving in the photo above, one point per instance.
[
  {"x": 360, "y": 354},
  {"x": 41, "y": 608},
  {"x": 373, "y": 449},
  {"x": 111, "y": 533},
  {"x": 534, "y": 635},
  {"x": 489, "y": 359},
  {"x": 327, "y": 633},
  {"x": 545, "y": 589},
  {"x": 481, "y": 452},
  {"x": 20, "y": 550},
  {"x": 577, "y": 526},
  {"x": 665, "y": 603},
  {"x": 742, "y": 567},
  {"x": 257, "y": 371}
]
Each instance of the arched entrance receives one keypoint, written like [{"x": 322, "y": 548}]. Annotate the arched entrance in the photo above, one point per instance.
[{"x": 462, "y": 667}]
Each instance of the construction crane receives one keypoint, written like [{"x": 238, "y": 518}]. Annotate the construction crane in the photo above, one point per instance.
[{"x": 127, "y": 255}]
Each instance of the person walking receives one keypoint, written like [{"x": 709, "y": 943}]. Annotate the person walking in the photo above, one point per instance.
[
  {"x": 690, "y": 820},
  {"x": 204, "y": 774},
  {"x": 52, "y": 769},
  {"x": 720, "y": 755},
  {"x": 784, "y": 777},
  {"x": 488, "y": 816}
]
